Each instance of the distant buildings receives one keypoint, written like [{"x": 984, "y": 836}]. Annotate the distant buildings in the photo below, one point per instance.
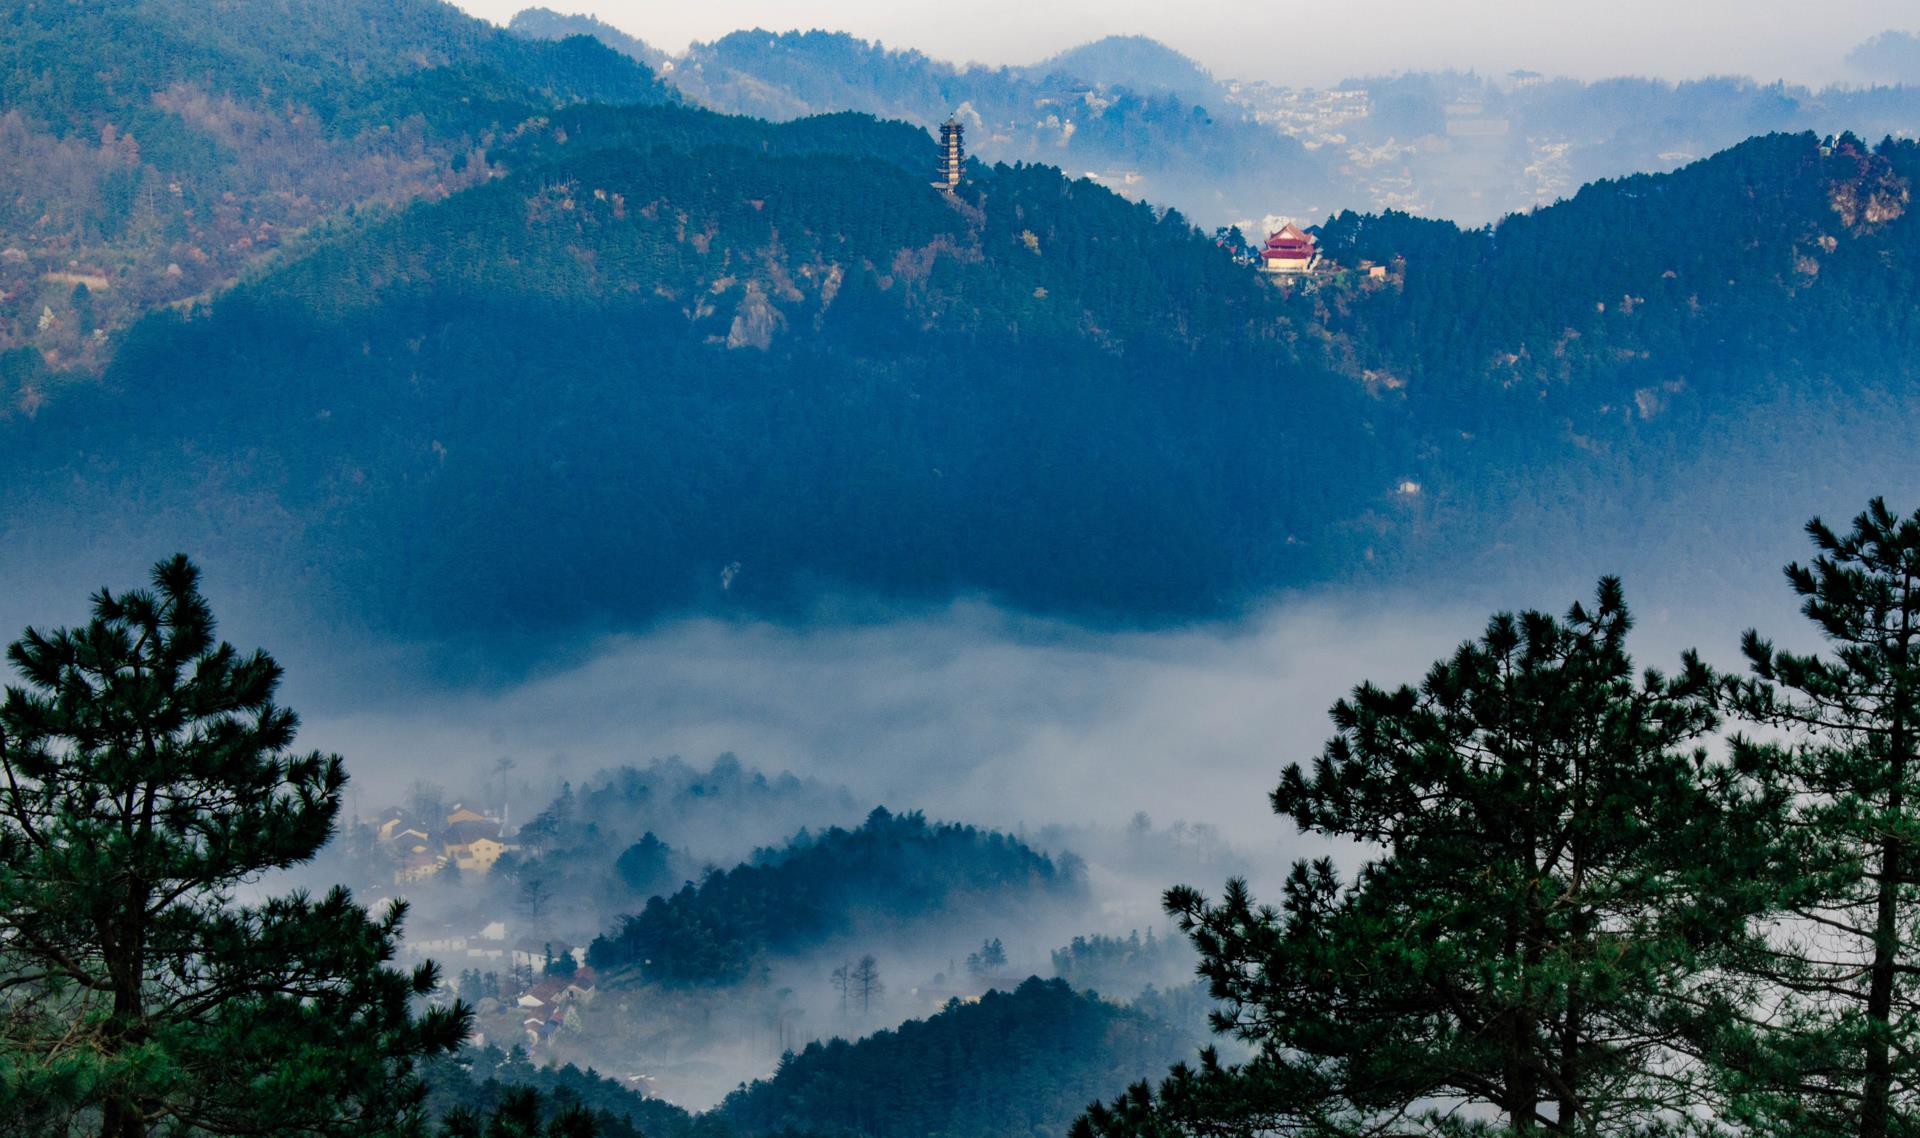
[
  {"x": 1315, "y": 117},
  {"x": 551, "y": 1004},
  {"x": 420, "y": 848}
]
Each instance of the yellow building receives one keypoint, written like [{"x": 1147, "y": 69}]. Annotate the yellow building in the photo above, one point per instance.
[{"x": 478, "y": 855}]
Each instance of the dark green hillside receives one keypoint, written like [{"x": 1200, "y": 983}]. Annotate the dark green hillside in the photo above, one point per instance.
[
  {"x": 623, "y": 381},
  {"x": 671, "y": 360},
  {"x": 332, "y": 56},
  {"x": 583, "y": 130},
  {"x": 889, "y": 872},
  {"x": 1648, "y": 348},
  {"x": 1758, "y": 255},
  {"x": 1015, "y": 1063},
  {"x": 483, "y": 1078},
  {"x": 153, "y": 150}
]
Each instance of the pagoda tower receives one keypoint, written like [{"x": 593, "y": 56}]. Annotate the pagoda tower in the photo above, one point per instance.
[{"x": 953, "y": 154}]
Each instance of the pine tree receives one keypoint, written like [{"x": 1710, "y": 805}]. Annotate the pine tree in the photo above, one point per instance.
[
  {"x": 520, "y": 1114},
  {"x": 1838, "y": 1053},
  {"x": 147, "y": 774},
  {"x": 1556, "y": 867},
  {"x": 990, "y": 961}
]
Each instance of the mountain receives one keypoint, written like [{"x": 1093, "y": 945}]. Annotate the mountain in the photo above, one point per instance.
[
  {"x": 721, "y": 812},
  {"x": 1020, "y": 1062},
  {"x": 547, "y": 24},
  {"x": 1474, "y": 148},
  {"x": 1150, "y": 124},
  {"x": 633, "y": 832},
  {"x": 1155, "y": 125},
  {"x": 657, "y": 359},
  {"x": 1760, "y": 299},
  {"x": 1136, "y": 63},
  {"x": 890, "y": 872},
  {"x": 667, "y": 323},
  {"x": 672, "y": 360},
  {"x": 211, "y": 137}
]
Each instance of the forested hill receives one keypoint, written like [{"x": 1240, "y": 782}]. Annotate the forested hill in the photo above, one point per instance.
[
  {"x": 1758, "y": 254},
  {"x": 336, "y": 58},
  {"x": 1137, "y": 63},
  {"x": 1646, "y": 351},
  {"x": 1012, "y": 1063},
  {"x": 672, "y": 360},
  {"x": 547, "y": 24},
  {"x": 885, "y": 875},
  {"x": 1020, "y": 1062},
  {"x": 152, "y": 150}
]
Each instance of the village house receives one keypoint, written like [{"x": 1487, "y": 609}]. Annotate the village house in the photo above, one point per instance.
[
  {"x": 393, "y": 824},
  {"x": 477, "y": 856},
  {"x": 418, "y": 865},
  {"x": 473, "y": 841},
  {"x": 552, "y": 1004},
  {"x": 468, "y": 839}
]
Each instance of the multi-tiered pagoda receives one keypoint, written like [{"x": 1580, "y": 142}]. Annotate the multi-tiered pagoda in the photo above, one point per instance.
[{"x": 953, "y": 154}]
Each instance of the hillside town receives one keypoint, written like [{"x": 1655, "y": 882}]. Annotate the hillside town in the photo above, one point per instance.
[{"x": 498, "y": 960}]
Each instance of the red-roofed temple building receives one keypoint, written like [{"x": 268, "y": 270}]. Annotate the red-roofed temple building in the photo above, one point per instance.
[{"x": 1289, "y": 251}]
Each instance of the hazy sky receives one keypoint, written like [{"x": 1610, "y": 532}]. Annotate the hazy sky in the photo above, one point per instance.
[{"x": 1316, "y": 43}]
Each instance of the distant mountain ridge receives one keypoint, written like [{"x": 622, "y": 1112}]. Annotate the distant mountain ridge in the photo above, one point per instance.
[
  {"x": 1147, "y": 119},
  {"x": 1136, "y": 63},
  {"x": 547, "y": 24},
  {"x": 1136, "y": 114}
]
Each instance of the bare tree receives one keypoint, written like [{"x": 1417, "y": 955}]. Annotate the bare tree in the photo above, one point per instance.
[
  {"x": 865, "y": 982},
  {"x": 842, "y": 981},
  {"x": 427, "y": 803}
]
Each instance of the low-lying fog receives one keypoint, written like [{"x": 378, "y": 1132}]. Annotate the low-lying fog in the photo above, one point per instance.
[{"x": 969, "y": 714}]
